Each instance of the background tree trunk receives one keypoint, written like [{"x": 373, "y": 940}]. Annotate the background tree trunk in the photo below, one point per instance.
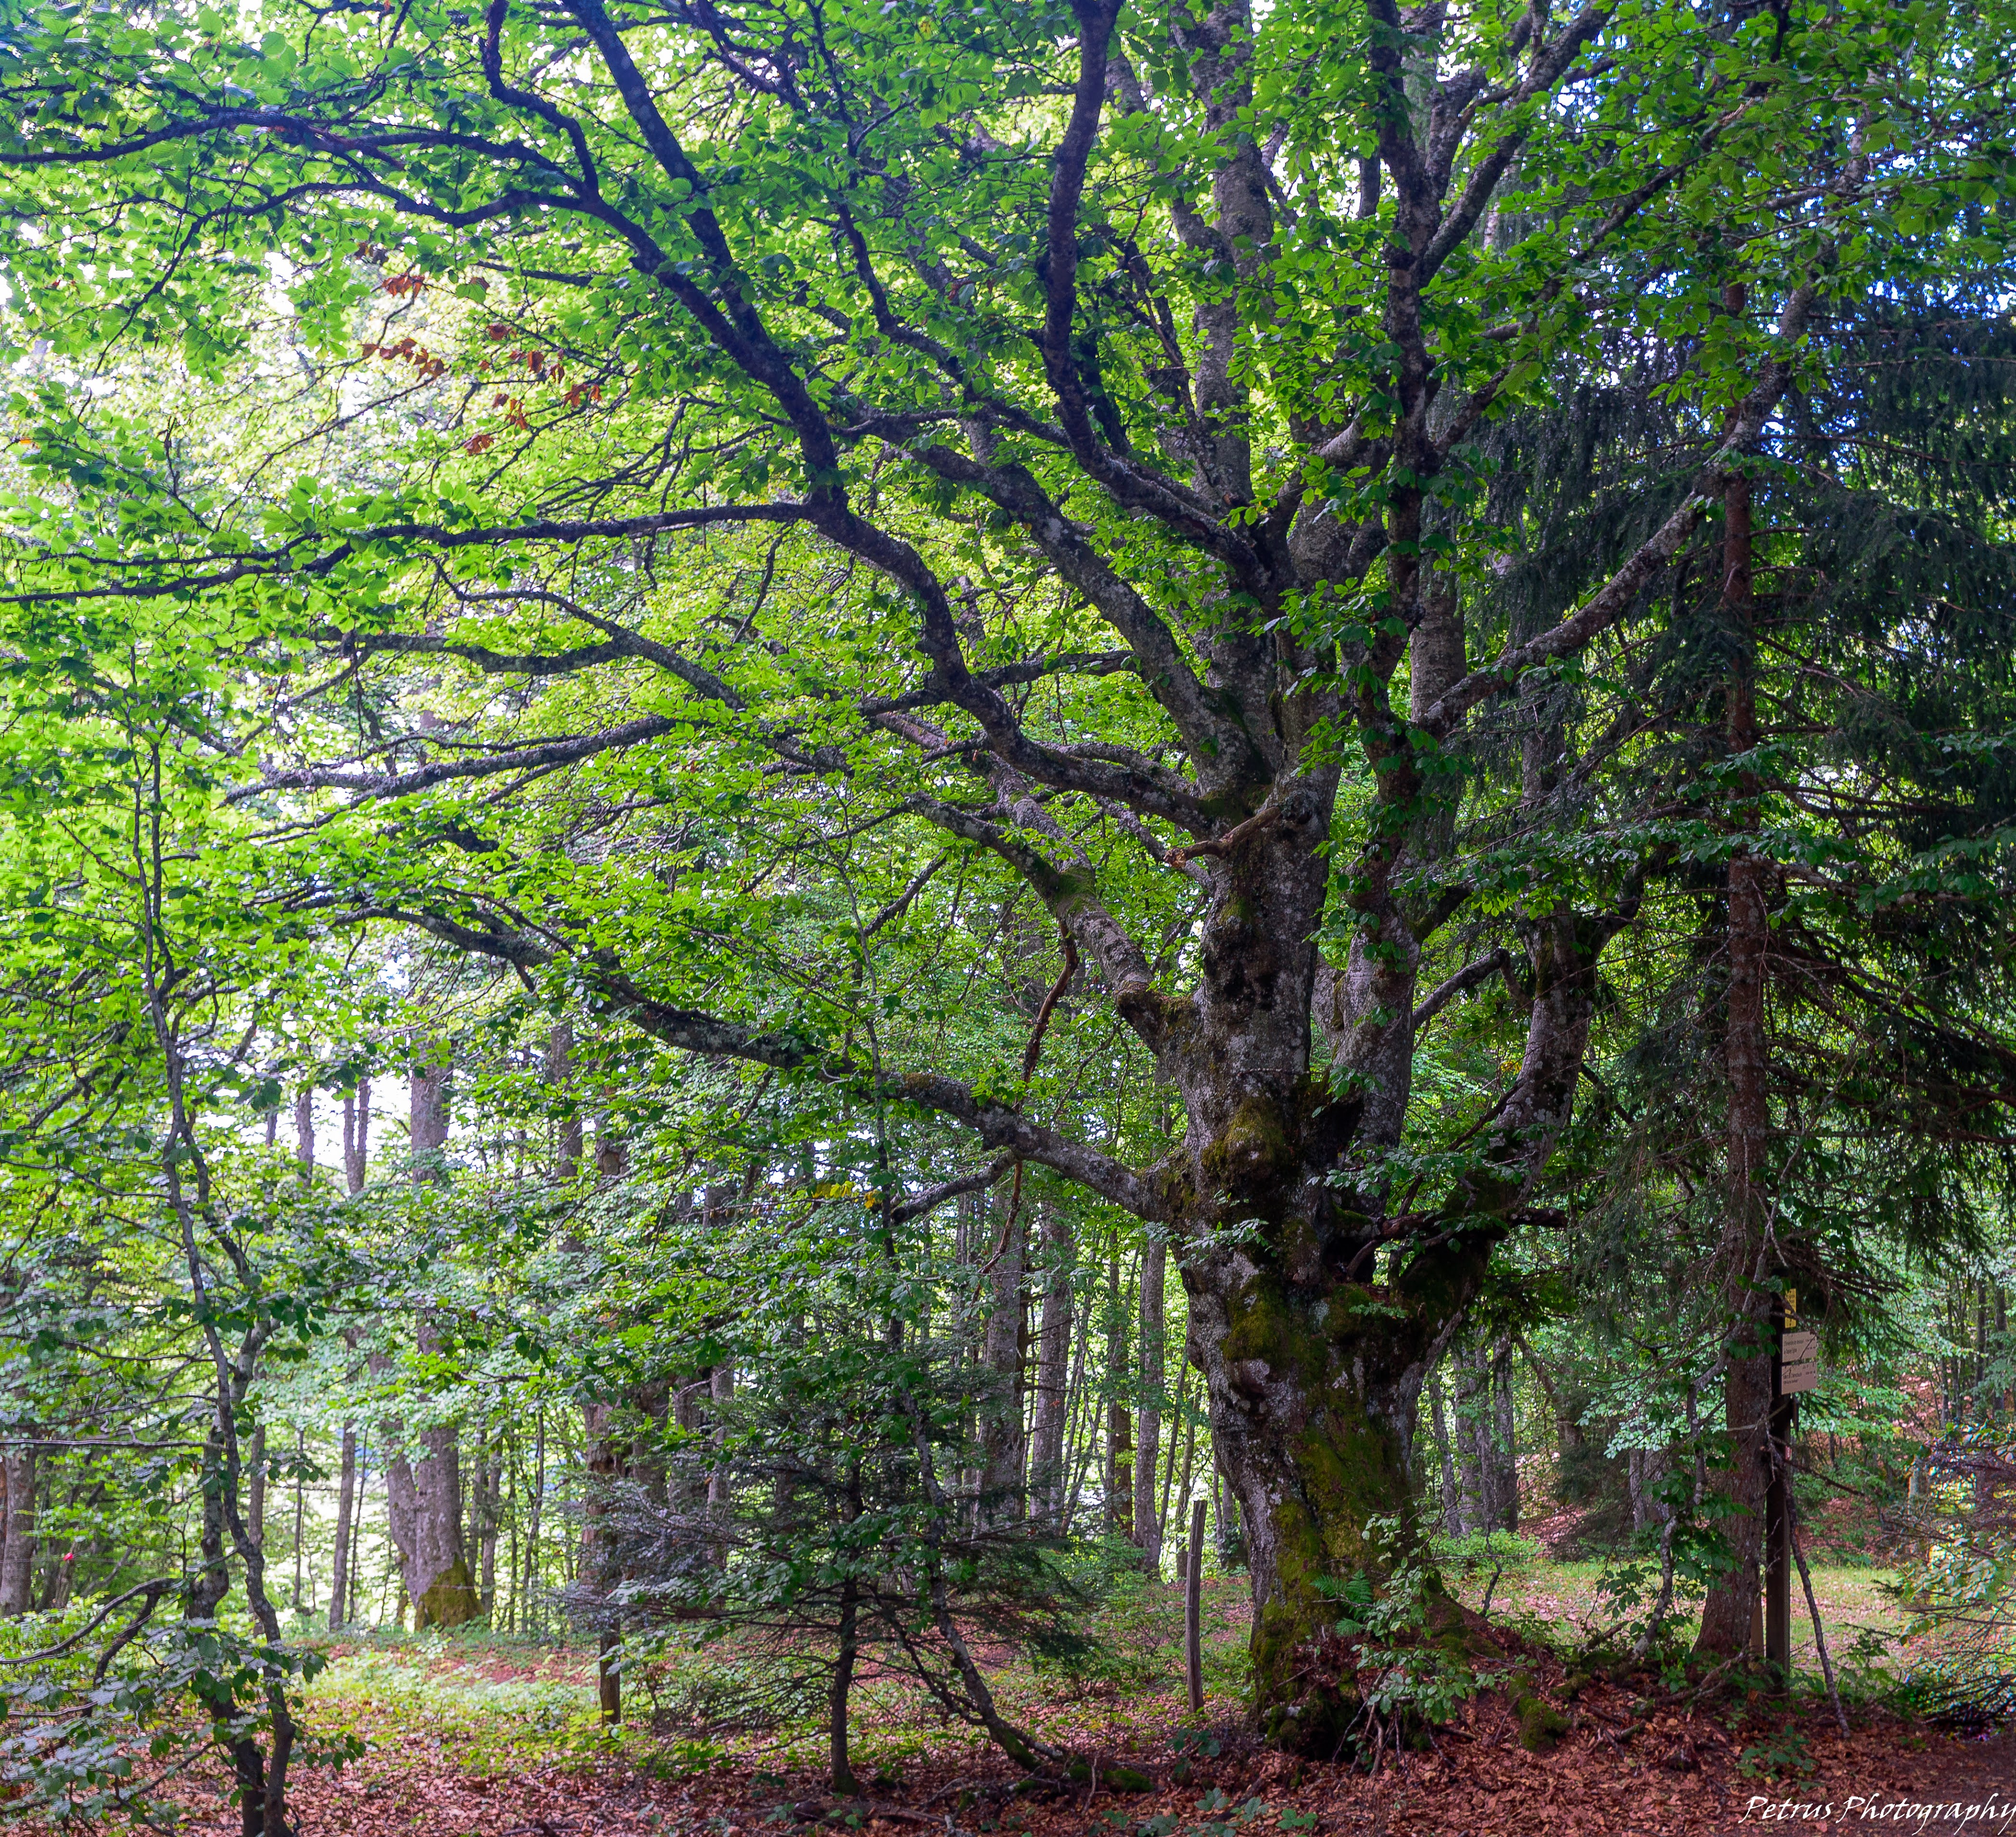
[
  {"x": 255, "y": 1486},
  {"x": 1504, "y": 1449},
  {"x": 1119, "y": 1423},
  {"x": 356, "y": 1136},
  {"x": 436, "y": 1564},
  {"x": 1147, "y": 1517},
  {"x": 1728, "y": 1611},
  {"x": 345, "y": 1504},
  {"x": 17, "y": 1551},
  {"x": 305, "y": 1140},
  {"x": 1054, "y": 1344},
  {"x": 1451, "y": 1500},
  {"x": 1003, "y": 1440},
  {"x": 1473, "y": 1442},
  {"x": 720, "y": 1505}
]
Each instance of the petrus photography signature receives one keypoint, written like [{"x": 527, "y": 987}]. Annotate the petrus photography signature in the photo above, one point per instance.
[{"x": 1994, "y": 1812}]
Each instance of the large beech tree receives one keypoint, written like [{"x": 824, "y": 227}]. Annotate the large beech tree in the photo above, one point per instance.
[{"x": 1051, "y": 431}]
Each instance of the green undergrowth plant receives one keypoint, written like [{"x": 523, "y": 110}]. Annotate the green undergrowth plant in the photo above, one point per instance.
[
  {"x": 1412, "y": 1653},
  {"x": 1218, "y": 1815},
  {"x": 382, "y": 1698},
  {"x": 1782, "y": 1754},
  {"x": 1131, "y": 1627}
]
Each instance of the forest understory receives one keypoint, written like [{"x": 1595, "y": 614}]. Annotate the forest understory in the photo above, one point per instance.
[{"x": 473, "y": 1737}]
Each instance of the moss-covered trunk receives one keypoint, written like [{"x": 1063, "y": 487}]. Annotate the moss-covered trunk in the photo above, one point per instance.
[
  {"x": 1313, "y": 1387},
  {"x": 1316, "y": 1311}
]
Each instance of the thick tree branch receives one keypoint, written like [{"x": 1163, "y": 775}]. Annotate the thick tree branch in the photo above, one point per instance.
[
  {"x": 1164, "y": 667},
  {"x": 1492, "y": 964},
  {"x": 399, "y": 784},
  {"x": 1070, "y": 896},
  {"x": 998, "y": 1125}
]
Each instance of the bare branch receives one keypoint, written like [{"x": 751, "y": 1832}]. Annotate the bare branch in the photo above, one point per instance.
[{"x": 1492, "y": 964}]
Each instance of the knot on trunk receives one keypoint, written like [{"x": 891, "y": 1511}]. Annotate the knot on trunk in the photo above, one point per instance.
[{"x": 1248, "y": 1376}]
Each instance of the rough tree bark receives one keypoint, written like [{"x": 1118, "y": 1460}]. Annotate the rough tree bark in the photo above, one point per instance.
[
  {"x": 17, "y": 1546},
  {"x": 346, "y": 1504},
  {"x": 1474, "y": 1500},
  {"x": 1504, "y": 1443},
  {"x": 1452, "y": 1502},
  {"x": 304, "y": 1139},
  {"x": 255, "y": 1486},
  {"x": 356, "y": 1136},
  {"x": 1119, "y": 1423}
]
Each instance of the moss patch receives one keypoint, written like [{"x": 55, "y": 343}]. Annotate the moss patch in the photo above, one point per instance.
[
  {"x": 1540, "y": 1723},
  {"x": 1119, "y": 1779},
  {"x": 451, "y": 1599}
]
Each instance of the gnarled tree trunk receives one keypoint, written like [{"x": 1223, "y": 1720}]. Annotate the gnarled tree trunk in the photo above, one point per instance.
[{"x": 1315, "y": 1318}]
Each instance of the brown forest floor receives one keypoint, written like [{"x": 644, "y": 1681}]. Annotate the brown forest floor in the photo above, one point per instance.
[
  {"x": 1745, "y": 1764},
  {"x": 1681, "y": 1775}
]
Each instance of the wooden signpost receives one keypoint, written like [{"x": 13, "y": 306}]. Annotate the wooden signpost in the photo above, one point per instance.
[{"x": 1794, "y": 1371}]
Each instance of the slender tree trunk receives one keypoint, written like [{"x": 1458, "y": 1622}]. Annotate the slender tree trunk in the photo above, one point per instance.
[
  {"x": 1505, "y": 1451},
  {"x": 1003, "y": 1442},
  {"x": 438, "y": 1583},
  {"x": 1190, "y": 1452},
  {"x": 1729, "y": 1610},
  {"x": 304, "y": 1139},
  {"x": 356, "y": 1134},
  {"x": 353, "y": 1596},
  {"x": 602, "y": 1460},
  {"x": 491, "y": 1494},
  {"x": 2002, "y": 1344},
  {"x": 1119, "y": 1421},
  {"x": 1452, "y": 1502},
  {"x": 569, "y": 1140},
  {"x": 720, "y": 1506},
  {"x": 1053, "y": 1343},
  {"x": 17, "y": 1553},
  {"x": 840, "y": 1772},
  {"x": 1080, "y": 1436},
  {"x": 532, "y": 1620},
  {"x": 345, "y": 1504},
  {"x": 1472, "y": 1438},
  {"x": 1147, "y": 1520},
  {"x": 255, "y": 1486},
  {"x": 840, "y": 1687}
]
